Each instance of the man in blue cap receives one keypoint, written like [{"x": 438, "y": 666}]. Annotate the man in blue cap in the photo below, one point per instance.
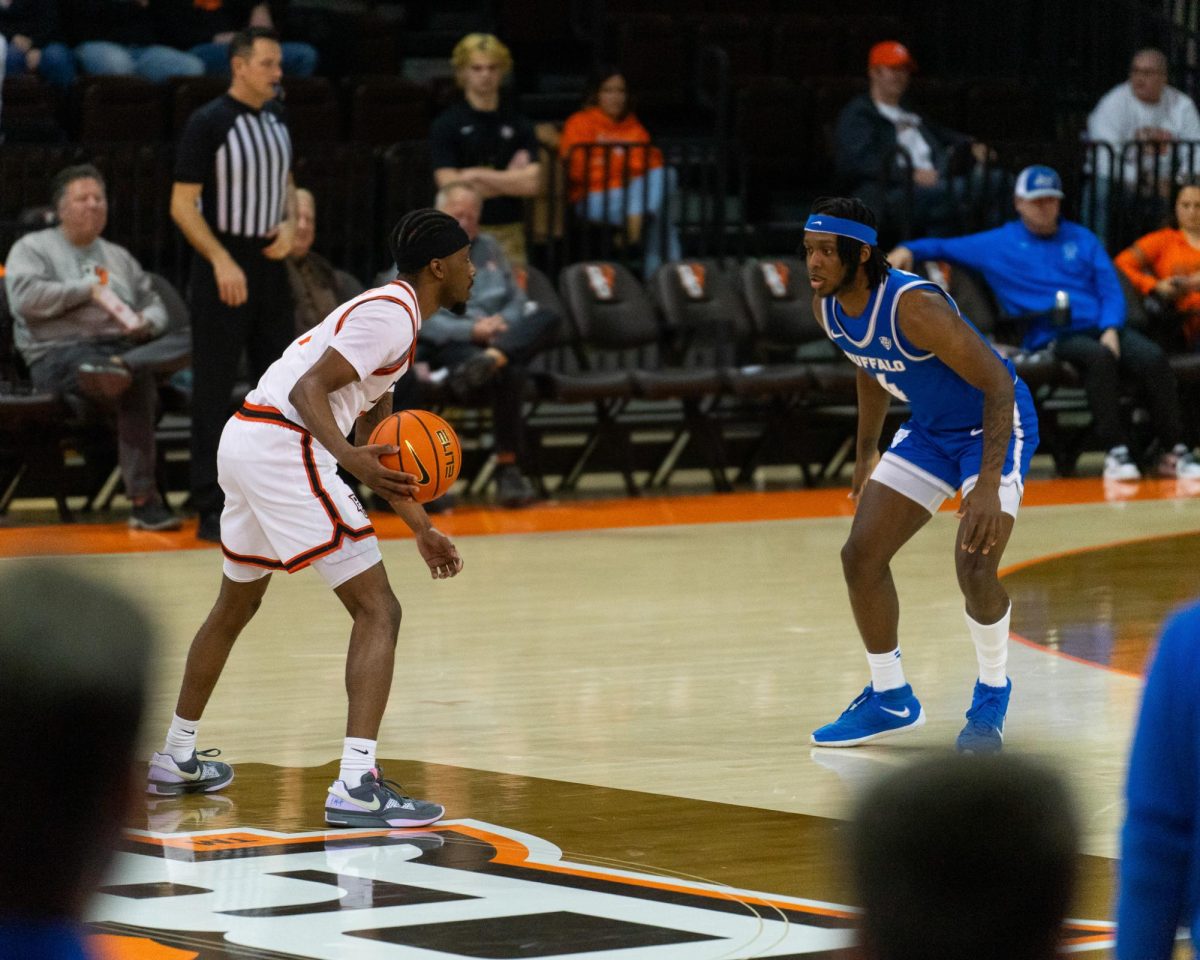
[
  {"x": 1030, "y": 263},
  {"x": 972, "y": 428}
]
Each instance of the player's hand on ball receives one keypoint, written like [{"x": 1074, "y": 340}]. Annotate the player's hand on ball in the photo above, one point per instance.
[
  {"x": 364, "y": 463},
  {"x": 439, "y": 554}
]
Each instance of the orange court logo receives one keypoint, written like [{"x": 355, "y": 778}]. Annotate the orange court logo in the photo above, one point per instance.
[{"x": 463, "y": 888}]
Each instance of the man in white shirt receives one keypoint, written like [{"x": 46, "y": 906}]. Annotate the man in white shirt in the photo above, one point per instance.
[
  {"x": 286, "y": 508},
  {"x": 1139, "y": 119}
]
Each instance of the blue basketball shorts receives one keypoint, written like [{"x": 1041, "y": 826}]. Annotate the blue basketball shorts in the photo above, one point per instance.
[{"x": 928, "y": 466}]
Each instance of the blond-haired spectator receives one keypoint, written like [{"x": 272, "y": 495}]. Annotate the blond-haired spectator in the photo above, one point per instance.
[{"x": 484, "y": 141}]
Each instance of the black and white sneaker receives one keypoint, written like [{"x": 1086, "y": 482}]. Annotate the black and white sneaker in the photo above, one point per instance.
[
  {"x": 153, "y": 515},
  {"x": 376, "y": 802},
  {"x": 167, "y": 777}
]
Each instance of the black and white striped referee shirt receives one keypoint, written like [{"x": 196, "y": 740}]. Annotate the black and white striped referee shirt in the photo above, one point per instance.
[{"x": 242, "y": 157}]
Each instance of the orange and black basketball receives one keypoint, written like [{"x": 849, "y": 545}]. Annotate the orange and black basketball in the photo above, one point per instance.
[{"x": 429, "y": 450}]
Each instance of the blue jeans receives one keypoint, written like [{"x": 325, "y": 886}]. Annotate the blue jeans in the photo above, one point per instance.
[
  {"x": 56, "y": 67},
  {"x": 646, "y": 197},
  {"x": 299, "y": 59},
  {"x": 155, "y": 63}
]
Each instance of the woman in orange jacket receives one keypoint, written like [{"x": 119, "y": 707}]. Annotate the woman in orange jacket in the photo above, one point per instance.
[
  {"x": 614, "y": 173},
  {"x": 1166, "y": 263}
]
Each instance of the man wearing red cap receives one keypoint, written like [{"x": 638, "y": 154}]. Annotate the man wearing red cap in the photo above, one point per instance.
[{"x": 876, "y": 130}]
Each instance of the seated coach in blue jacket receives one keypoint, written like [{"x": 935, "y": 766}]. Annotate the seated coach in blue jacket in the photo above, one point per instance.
[{"x": 1030, "y": 263}]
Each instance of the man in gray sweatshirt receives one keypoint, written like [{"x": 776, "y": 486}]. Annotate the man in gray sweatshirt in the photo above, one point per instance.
[{"x": 89, "y": 325}]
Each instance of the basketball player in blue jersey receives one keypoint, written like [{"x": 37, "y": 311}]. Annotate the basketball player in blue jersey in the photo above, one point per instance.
[{"x": 972, "y": 427}]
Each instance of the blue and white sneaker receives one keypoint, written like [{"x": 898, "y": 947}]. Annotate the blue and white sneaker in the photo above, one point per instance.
[
  {"x": 984, "y": 732},
  {"x": 872, "y": 716}
]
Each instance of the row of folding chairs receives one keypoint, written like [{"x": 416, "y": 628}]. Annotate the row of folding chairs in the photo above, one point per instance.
[
  {"x": 726, "y": 368},
  {"x": 703, "y": 365}
]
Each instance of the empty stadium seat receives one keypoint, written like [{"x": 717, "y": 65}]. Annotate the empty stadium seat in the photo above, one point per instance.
[
  {"x": 31, "y": 111},
  {"x": 618, "y": 333},
  {"x": 385, "y": 109},
  {"x": 313, "y": 112},
  {"x": 119, "y": 109}
]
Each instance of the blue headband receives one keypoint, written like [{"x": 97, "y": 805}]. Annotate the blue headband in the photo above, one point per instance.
[{"x": 824, "y": 223}]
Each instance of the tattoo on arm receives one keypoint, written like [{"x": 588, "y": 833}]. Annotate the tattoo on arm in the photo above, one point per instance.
[{"x": 997, "y": 430}]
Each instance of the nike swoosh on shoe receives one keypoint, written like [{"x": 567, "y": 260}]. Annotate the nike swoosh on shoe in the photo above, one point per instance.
[
  {"x": 902, "y": 714},
  {"x": 371, "y": 807}
]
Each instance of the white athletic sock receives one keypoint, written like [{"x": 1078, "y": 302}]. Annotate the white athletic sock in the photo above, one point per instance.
[
  {"x": 886, "y": 672},
  {"x": 181, "y": 739},
  {"x": 991, "y": 648},
  {"x": 358, "y": 756}
]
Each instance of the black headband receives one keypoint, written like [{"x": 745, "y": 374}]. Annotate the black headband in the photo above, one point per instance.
[{"x": 436, "y": 243}]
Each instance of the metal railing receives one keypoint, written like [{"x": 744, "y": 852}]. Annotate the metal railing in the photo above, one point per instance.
[
  {"x": 1119, "y": 191},
  {"x": 361, "y": 191},
  {"x": 695, "y": 189}
]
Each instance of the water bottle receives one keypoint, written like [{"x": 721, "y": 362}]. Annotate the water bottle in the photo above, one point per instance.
[{"x": 1060, "y": 316}]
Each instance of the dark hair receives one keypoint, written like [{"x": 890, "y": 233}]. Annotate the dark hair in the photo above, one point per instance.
[
  {"x": 414, "y": 231},
  {"x": 965, "y": 857},
  {"x": 598, "y": 78},
  {"x": 68, "y": 175},
  {"x": 848, "y": 249},
  {"x": 74, "y": 670},
  {"x": 1180, "y": 186},
  {"x": 243, "y": 41}
]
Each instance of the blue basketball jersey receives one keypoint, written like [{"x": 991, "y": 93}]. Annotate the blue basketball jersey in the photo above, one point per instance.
[{"x": 939, "y": 398}]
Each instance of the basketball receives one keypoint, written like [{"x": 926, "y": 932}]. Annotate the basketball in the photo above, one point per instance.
[{"x": 429, "y": 449}]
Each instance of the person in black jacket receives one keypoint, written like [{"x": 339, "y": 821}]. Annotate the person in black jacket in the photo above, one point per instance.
[{"x": 880, "y": 143}]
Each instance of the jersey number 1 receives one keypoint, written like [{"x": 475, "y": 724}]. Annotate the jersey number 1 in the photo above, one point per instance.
[{"x": 891, "y": 388}]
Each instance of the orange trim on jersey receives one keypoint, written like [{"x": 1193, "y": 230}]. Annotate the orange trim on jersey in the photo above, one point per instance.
[
  {"x": 411, "y": 318},
  {"x": 304, "y": 340},
  {"x": 267, "y": 414}
]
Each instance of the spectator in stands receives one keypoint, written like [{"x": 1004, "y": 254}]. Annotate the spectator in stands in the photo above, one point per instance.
[
  {"x": 489, "y": 347},
  {"x": 483, "y": 140},
  {"x": 1143, "y": 110},
  {"x": 871, "y": 129},
  {"x": 205, "y": 29},
  {"x": 965, "y": 856},
  {"x": 1034, "y": 262},
  {"x": 33, "y": 31},
  {"x": 1165, "y": 264},
  {"x": 615, "y": 176},
  {"x": 74, "y": 675},
  {"x": 116, "y": 38},
  {"x": 1159, "y": 885},
  {"x": 317, "y": 285},
  {"x": 89, "y": 324}
]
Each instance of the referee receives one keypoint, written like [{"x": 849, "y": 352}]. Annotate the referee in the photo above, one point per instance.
[{"x": 234, "y": 200}]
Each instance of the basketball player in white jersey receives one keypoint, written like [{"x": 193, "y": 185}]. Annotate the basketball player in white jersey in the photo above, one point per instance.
[{"x": 286, "y": 508}]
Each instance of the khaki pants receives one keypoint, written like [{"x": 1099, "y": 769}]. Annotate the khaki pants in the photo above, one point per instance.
[{"x": 512, "y": 241}]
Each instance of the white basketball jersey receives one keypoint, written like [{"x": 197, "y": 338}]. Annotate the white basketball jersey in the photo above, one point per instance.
[{"x": 376, "y": 332}]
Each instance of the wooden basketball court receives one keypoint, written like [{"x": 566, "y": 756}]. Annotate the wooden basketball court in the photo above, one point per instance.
[{"x": 613, "y": 701}]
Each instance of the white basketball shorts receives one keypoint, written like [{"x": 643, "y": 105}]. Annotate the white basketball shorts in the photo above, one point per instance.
[{"x": 286, "y": 508}]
